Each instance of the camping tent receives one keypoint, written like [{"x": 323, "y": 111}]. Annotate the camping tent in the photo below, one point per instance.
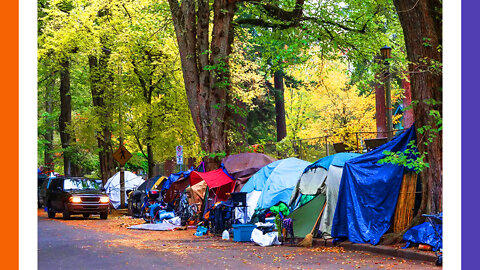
[
  {"x": 176, "y": 188},
  {"x": 197, "y": 194},
  {"x": 112, "y": 187},
  {"x": 172, "y": 178},
  {"x": 368, "y": 193},
  {"x": 217, "y": 181},
  {"x": 305, "y": 217},
  {"x": 242, "y": 166},
  {"x": 321, "y": 177},
  {"x": 272, "y": 184}
]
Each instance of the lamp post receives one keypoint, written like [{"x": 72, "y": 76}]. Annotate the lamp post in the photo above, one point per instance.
[{"x": 386, "y": 51}]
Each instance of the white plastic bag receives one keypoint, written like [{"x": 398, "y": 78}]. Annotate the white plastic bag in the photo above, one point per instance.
[{"x": 264, "y": 240}]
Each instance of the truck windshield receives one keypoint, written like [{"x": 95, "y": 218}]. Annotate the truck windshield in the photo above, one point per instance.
[{"x": 80, "y": 184}]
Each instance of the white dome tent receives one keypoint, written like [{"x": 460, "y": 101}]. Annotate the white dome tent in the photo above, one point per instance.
[{"x": 112, "y": 187}]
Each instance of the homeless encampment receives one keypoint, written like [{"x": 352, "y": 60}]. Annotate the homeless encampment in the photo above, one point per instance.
[
  {"x": 175, "y": 185},
  {"x": 271, "y": 185},
  {"x": 217, "y": 181},
  {"x": 242, "y": 166},
  {"x": 368, "y": 193},
  {"x": 136, "y": 198},
  {"x": 174, "y": 177},
  {"x": 112, "y": 187},
  {"x": 317, "y": 186}
]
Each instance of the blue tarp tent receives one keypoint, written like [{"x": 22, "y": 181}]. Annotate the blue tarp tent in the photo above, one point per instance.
[
  {"x": 276, "y": 181},
  {"x": 174, "y": 177},
  {"x": 425, "y": 233},
  {"x": 368, "y": 194}
]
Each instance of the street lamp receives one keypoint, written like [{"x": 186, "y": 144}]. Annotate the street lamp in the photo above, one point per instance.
[{"x": 386, "y": 54}]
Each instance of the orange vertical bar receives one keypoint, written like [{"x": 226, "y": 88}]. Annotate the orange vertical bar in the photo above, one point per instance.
[{"x": 9, "y": 137}]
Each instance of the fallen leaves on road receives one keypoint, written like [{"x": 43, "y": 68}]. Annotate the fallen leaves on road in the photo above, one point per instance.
[{"x": 329, "y": 249}]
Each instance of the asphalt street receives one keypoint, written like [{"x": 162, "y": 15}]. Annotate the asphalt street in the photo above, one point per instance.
[
  {"x": 65, "y": 247},
  {"x": 61, "y": 245}
]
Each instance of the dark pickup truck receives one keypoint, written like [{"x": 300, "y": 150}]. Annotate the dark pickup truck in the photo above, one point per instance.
[{"x": 74, "y": 195}]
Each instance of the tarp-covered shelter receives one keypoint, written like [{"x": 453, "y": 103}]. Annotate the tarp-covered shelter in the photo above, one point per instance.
[
  {"x": 176, "y": 184},
  {"x": 217, "y": 181},
  {"x": 272, "y": 184},
  {"x": 368, "y": 193},
  {"x": 112, "y": 187},
  {"x": 197, "y": 194},
  {"x": 321, "y": 177},
  {"x": 172, "y": 178},
  {"x": 242, "y": 166}
]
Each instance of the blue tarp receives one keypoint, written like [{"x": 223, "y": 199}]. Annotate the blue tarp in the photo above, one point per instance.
[
  {"x": 425, "y": 234},
  {"x": 174, "y": 177},
  {"x": 338, "y": 160},
  {"x": 368, "y": 194},
  {"x": 277, "y": 181}
]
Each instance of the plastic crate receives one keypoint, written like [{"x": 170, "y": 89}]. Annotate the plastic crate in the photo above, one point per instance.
[{"x": 242, "y": 232}]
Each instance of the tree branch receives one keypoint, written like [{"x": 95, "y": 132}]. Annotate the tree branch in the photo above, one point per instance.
[{"x": 265, "y": 24}]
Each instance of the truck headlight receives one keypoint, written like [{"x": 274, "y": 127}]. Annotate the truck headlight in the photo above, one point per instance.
[
  {"x": 104, "y": 199},
  {"x": 75, "y": 199}
]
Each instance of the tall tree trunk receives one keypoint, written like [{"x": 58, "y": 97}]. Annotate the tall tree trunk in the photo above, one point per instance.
[
  {"x": 147, "y": 87},
  {"x": 100, "y": 79},
  {"x": 280, "y": 105},
  {"x": 65, "y": 115},
  {"x": 205, "y": 67},
  {"x": 75, "y": 169},
  {"x": 380, "y": 108},
  {"x": 408, "y": 117},
  {"x": 237, "y": 123},
  {"x": 150, "y": 161},
  {"x": 48, "y": 154},
  {"x": 422, "y": 27}
]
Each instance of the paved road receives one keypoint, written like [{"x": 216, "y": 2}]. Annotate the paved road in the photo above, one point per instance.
[{"x": 64, "y": 246}]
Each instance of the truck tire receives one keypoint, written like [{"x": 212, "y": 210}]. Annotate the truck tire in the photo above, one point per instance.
[
  {"x": 66, "y": 213},
  {"x": 51, "y": 213},
  {"x": 103, "y": 215}
]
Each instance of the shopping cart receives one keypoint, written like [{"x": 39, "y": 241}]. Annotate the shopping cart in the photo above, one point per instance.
[{"x": 436, "y": 222}]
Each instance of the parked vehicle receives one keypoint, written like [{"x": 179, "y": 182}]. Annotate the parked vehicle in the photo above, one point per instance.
[
  {"x": 42, "y": 180},
  {"x": 42, "y": 193},
  {"x": 75, "y": 195}
]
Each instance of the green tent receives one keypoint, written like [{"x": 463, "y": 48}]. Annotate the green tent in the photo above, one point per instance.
[{"x": 304, "y": 217}]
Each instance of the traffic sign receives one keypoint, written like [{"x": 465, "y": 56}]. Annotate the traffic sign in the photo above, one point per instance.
[
  {"x": 122, "y": 155},
  {"x": 179, "y": 154}
]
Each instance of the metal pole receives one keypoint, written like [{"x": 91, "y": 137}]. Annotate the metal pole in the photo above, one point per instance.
[
  {"x": 358, "y": 145},
  {"x": 122, "y": 187},
  {"x": 326, "y": 145},
  {"x": 388, "y": 100}
]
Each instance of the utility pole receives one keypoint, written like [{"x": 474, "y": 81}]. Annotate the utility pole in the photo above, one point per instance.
[
  {"x": 386, "y": 54},
  {"x": 122, "y": 168}
]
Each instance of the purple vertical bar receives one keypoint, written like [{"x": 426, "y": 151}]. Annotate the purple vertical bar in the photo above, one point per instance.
[{"x": 470, "y": 127}]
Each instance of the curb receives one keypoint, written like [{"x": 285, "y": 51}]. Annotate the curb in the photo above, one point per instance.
[{"x": 380, "y": 249}]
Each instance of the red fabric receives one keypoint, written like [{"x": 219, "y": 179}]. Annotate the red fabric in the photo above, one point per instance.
[{"x": 216, "y": 180}]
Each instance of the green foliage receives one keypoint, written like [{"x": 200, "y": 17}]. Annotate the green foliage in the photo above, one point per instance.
[
  {"x": 218, "y": 155},
  {"x": 410, "y": 158},
  {"x": 143, "y": 94},
  {"x": 285, "y": 148}
]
